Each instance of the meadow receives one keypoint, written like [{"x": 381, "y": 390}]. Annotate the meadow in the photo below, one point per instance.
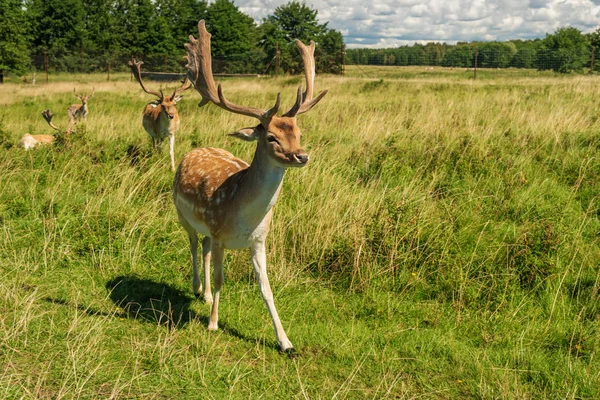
[{"x": 443, "y": 242}]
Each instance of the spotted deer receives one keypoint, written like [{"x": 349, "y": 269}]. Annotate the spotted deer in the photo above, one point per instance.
[
  {"x": 29, "y": 141},
  {"x": 160, "y": 119},
  {"x": 228, "y": 201},
  {"x": 79, "y": 111}
]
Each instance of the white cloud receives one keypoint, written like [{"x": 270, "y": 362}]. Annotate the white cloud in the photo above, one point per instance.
[{"x": 388, "y": 23}]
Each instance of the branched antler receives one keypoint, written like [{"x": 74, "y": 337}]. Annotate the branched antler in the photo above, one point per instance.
[
  {"x": 305, "y": 101},
  {"x": 47, "y": 114},
  {"x": 137, "y": 72},
  {"x": 200, "y": 73}
]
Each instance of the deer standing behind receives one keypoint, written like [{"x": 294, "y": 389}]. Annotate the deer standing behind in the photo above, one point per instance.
[
  {"x": 29, "y": 141},
  {"x": 78, "y": 111},
  {"x": 224, "y": 198},
  {"x": 161, "y": 119}
]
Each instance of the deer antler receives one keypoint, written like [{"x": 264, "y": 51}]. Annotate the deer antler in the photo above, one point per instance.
[
  {"x": 200, "y": 73},
  {"x": 83, "y": 95},
  {"x": 136, "y": 70},
  {"x": 304, "y": 101},
  {"x": 47, "y": 114},
  {"x": 185, "y": 86}
]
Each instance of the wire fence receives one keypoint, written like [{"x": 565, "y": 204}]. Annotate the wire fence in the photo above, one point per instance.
[{"x": 256, "y": 63}]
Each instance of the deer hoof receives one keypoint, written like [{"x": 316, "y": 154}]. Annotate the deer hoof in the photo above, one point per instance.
[{"x": 291, "y": 353}]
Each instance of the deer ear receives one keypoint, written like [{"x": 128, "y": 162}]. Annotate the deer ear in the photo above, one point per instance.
[{"x": 246, "y": 134}]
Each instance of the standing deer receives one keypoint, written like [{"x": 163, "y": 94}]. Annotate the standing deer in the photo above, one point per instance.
[
  {"x": 78, "y": 111},
  {"x": 29, "y": 141},
  {"x": 224, "y": 198},
  {"x": 161, "y": 118}
]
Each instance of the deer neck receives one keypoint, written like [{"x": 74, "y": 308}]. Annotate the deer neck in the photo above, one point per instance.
[{"x": 262, "y": 184}]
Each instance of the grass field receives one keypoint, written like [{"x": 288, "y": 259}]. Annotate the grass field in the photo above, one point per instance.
[{"x": 443, "y": 242}]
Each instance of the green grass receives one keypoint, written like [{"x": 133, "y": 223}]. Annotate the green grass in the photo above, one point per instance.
[{"x": 443, "y": 242}]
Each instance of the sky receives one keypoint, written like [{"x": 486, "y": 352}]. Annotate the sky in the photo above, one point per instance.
[{"x": 391, "y": 23}]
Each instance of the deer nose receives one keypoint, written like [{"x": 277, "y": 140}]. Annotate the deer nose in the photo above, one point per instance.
[
  {"x": 302, "y": 157},
  {"x": 170, "y": 116}
]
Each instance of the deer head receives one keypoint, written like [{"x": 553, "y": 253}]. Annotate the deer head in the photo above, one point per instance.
[
  {"x": 279, "y": 135},
  {"x": 167, "y": 103},
  {"x": 84, "y": 98}
]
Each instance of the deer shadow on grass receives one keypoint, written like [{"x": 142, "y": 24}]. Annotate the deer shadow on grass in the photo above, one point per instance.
[
  {"x": 155, "y": 302},
  {"x": 162, "y": 304}
]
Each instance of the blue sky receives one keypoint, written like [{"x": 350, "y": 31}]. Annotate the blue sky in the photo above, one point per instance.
[{"x": 389, "y": 23}]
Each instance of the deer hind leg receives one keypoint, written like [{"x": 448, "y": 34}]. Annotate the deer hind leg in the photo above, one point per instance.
[
  {"x": 193, "y": 237},
  {"x": 217, "y": 254},
  {"x": 196, "y": 282},
  {"x": 259, "y": 260},
  {"x": 206, "y": 249}
]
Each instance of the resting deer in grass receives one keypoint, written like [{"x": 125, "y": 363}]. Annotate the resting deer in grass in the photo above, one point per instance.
[
  {"x": 224, "y": 198},
  {"x": 29, "y": 141},
  {"x": 78, "y": 111},
  {"x": 161, "y": 118}
]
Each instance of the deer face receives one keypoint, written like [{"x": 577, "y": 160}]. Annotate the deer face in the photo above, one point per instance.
[
  {"x": 282, "y": 140},
  {"x": 84, "y": 97},
  {"x": 169, "y": 104}
]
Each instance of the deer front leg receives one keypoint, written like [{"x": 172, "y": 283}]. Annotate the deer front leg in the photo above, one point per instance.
[
  {"x": 217, "y": 254},
  {"x": 172, "y": 150},
  {"x": 259, "y": 260}
]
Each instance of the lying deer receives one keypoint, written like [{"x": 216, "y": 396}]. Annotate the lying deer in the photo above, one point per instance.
[
  {"x": 78, "y": 111},
  {"x": 161, "y": 118},
  {"x": 29, "y": 141},
  {"x": 224, "y": 198}
]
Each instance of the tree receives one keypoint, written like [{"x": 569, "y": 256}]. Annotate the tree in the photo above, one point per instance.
[
  {"x": 234, "y": 36},
  {"x": 460, "y": 55},
  {"x": 564, "y": 51},
  {"x": 594, "y": 39},
  {"x": 495, "y": 54},
  {"x": 295, "y": 20},
  {"x": 13, "y": 38},
  {"x": 57, "y": 27},
  {"x": 233, "y": 32},
  {"x": 181, "y": 18}
]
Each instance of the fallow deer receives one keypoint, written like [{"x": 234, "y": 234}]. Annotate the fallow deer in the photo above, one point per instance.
[
  {"x": 78, "y": 111},
  {"x": 225, "y": 199},
  {"x": 29, "y": 141},
  {"x": 161, "y": 118}
]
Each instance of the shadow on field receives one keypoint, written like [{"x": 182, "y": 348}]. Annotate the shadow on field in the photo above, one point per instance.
[
  {"x": 162, "y": 304},
  {"x": 154, "y": 302}
]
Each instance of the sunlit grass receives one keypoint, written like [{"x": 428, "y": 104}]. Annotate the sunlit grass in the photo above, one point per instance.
[{"x": 442, "y": 242}]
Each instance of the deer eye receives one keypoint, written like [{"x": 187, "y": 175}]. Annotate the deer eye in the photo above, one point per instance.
[{"x": 272, "y": 138}]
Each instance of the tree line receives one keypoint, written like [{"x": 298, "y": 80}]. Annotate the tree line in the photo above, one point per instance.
[
  {"x": 88, "y": 35},
  {"x": 565, "y": 50}
]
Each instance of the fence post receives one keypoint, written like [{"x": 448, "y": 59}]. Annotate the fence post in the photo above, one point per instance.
[
  {"x": 592, "y": 62},
  {"x": 276, "y": 58},
  {"x": 343, "y": 59},
  {"x": 46, "y": 64},
  {"x": 475, "y": 69}
]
